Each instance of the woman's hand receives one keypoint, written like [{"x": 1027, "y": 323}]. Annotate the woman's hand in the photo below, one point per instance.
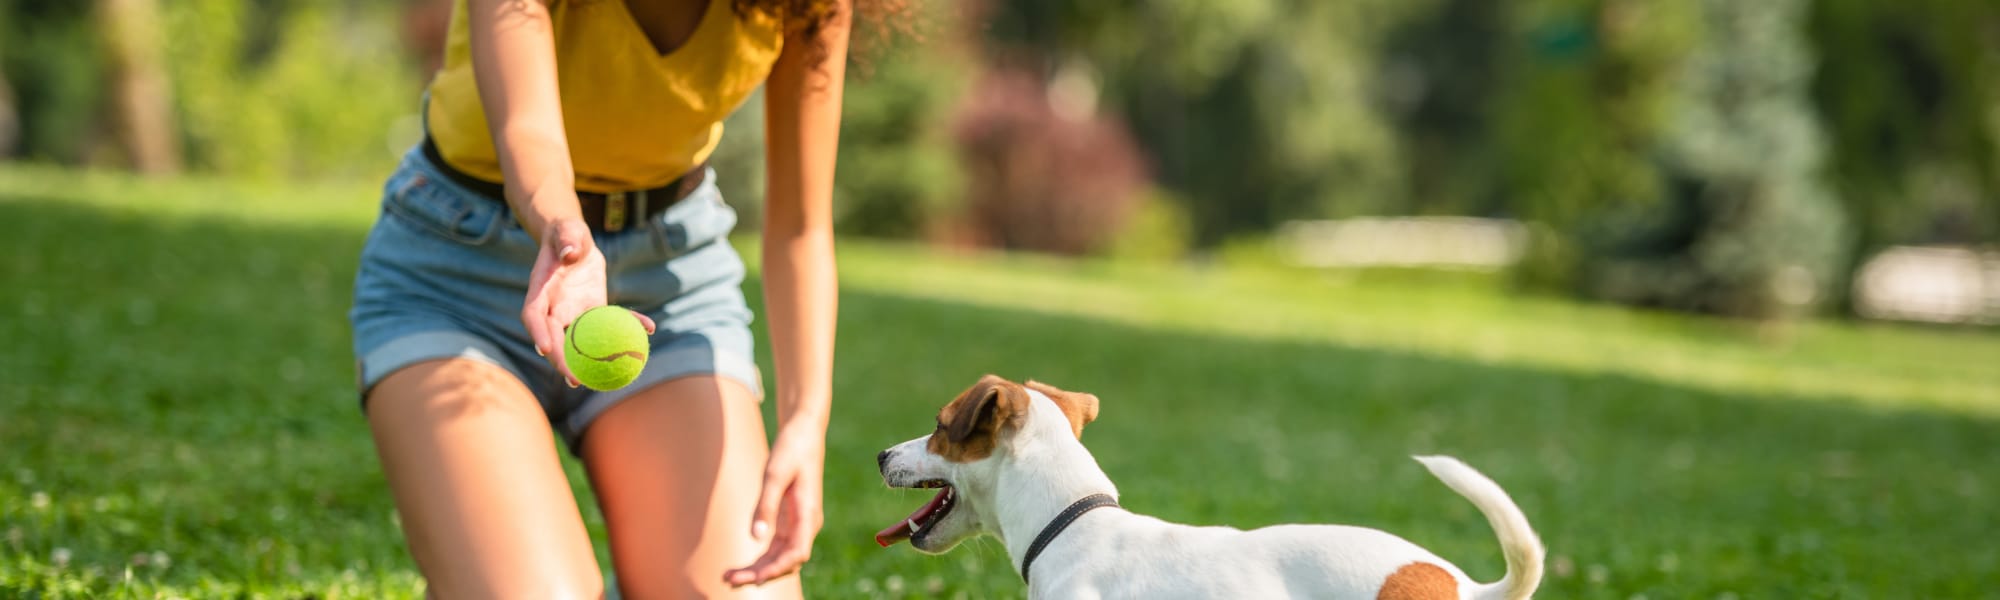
[
  {"x": 788, "y": 511},
  {"x": 568, "y": 279}
]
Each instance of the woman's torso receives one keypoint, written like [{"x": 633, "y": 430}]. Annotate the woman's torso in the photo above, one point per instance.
[{"x": 635, "y": 118}]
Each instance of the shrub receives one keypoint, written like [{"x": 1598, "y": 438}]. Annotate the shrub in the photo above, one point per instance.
[
  {"x": 1041, "y": 178},
  {"x": 52, "y": 59},
  {"x": 1745, "y": 228},
  {"x": 289, "y": 89}
]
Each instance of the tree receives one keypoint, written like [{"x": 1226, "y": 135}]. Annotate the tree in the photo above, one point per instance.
[
  {"x": 1909, "y": 93},
  {"x": 10, "y": 119},
  {"x": 1747, "y": 227},
  {"x": 1251, "y": 111},
  {"x": 142, "y": 97},
  {"x": 50, "y": 54}
]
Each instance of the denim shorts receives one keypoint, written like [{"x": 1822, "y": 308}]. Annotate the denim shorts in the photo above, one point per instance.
[{"x": 445, "y": 269}]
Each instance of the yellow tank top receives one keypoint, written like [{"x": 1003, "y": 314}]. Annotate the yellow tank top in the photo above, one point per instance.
[{"x": 635, "y": 119}]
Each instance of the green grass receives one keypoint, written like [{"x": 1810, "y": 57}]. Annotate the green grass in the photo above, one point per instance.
[{"x": 177, "y": 416}]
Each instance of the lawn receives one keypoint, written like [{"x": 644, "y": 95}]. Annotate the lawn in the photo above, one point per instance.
[{"x": 177, "y": 416}]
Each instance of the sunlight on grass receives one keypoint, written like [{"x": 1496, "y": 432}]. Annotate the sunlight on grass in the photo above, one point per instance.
[{"x": 1870, "y": 363}]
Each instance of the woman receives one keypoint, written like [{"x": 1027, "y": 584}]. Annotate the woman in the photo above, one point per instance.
[{"x": 563, "y": 169}]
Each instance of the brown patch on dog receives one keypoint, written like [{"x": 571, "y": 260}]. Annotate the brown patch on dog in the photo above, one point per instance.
[
  {"x": 1081, "y": 408},
  {"x": 969, "y": 427},
  {"x": 1419, "y": 581}
]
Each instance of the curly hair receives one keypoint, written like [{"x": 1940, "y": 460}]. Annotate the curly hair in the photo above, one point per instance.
[{"x": 805, "y": 18}]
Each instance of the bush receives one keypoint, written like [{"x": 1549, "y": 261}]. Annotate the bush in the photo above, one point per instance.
[
  {"x": 1740, "y": 248},
  {"x": 1252, "y": 112},
  {"x": 895, "y": 172},
  {"x": 50, "y": 55},
  {"x": 896, "y": 169},
  {"x": 1159, "y": 230},
  {"x": 1042, "y": 178},
  {"x": 1744, "y": 227},
  {"x": 290, "y": 89},
  {"x": 1576, "y": 126},
  {"x": 1905, "y": 87}
]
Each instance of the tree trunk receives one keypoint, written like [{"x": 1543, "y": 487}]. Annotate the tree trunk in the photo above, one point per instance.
[
  {"x": 10, "y": 120},
  {"x": 142, "y": 94}
]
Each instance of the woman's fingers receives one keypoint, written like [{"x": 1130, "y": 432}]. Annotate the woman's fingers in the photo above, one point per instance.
[
  {"x": 558, "y": 357},
  {"x": 646, "y": 321},
  {"x": 568, "y": 278},
  {"x": 535, "y": 310}
]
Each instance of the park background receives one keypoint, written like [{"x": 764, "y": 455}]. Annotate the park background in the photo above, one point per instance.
[{"x": 1708, "y": 285}]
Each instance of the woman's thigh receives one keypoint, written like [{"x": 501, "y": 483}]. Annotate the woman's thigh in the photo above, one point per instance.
[
  {"x": 677, "y": 469},
  {"x": 485, "y": 506}
]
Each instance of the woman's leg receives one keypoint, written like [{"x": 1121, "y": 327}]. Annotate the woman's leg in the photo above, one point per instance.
[
  {"x": 484, "y": 503},
  {"x": 677, "y": 469}
]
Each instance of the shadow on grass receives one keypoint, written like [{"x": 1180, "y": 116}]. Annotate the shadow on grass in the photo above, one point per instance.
[{"x": 184, "y": 387}]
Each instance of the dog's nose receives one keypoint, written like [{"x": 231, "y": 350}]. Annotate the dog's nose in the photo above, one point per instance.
[{"x": 882, "y": 460}]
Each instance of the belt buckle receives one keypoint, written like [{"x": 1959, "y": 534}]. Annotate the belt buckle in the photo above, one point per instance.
[{"x": 614, "y": 211}]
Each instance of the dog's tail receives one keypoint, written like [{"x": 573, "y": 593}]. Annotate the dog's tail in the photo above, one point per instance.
[{"x": 1517, "y": 541}]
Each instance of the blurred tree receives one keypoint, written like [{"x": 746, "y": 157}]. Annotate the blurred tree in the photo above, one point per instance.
[
  {"x": 1748, "y": 227},
  {"x": 1583, "y": 109},
  {"x": 1910, "y": 94},
  {"x": 290, "y": 88},
  {"x": 10, "y": 119},
  {"x": 1438, "y": 77},
  {"x": 895, "y": 174},
  {"x": 50, "y": 53},
  {"x": 1598, "y": 129},
  {"x": 1586, "y": 103},
  {"x": 1048, "y": 174},
  {"x": 1251, "y": 111},
  {"x": 1678, "y": 173},
  {"x": 142, "y": 98}
]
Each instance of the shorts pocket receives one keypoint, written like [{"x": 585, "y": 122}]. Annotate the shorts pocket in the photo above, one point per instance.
[
  {"x": 441, "y": 210},
  {"x": 697, "y": 220}
]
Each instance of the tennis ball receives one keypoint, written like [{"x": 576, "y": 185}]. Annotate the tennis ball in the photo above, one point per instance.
[{"x": 606, "y": 348}]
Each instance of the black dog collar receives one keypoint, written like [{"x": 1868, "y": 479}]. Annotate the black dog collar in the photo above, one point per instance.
[{"x": 1061, "y": 522}]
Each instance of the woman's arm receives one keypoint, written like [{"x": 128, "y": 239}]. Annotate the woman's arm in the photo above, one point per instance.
[
  {"x": 514, "y": 62},
  {"x": 802, "y": 132}
]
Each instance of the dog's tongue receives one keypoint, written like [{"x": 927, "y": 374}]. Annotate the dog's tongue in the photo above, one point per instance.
[{"x": 902, "y": 530}]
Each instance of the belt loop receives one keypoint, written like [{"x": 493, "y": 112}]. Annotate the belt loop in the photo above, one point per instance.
[
  {"x": 614, "y": 211},
  {"x": 639, "y": 211}
]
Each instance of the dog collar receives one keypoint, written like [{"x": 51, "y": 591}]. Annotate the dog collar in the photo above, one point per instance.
[{"x": 1061, "y": 522}]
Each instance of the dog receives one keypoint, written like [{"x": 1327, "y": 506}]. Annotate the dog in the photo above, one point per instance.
[{"x": 1008, "y": 462}]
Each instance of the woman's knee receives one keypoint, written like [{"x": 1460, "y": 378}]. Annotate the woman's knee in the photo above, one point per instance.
[
  {"x": 485, "y": 505},
  {"x": 677, "y": 470}
]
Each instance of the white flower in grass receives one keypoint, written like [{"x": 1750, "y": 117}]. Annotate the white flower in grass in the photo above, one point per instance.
[{"x": 60, "y": 557}]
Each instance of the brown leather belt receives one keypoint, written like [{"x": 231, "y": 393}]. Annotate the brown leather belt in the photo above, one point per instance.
[{"x": 609, "y": 213}]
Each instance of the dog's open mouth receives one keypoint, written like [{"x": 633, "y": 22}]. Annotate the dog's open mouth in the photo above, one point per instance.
[{"x": 924, "y": 518}]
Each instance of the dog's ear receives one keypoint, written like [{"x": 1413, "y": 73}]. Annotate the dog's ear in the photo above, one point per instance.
[
  {"x": 984, "y": 408},
  {"x": 1081, "y": 408}
]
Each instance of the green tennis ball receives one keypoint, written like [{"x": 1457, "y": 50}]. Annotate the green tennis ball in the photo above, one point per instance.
[{"x": 606, "y": 348}]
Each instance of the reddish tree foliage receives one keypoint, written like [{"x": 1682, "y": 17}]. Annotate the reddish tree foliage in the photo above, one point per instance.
[{"x": 1039, "y": 179}]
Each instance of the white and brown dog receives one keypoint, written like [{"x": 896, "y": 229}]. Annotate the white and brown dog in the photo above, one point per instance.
[{"x": 1008, "y": 461}]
